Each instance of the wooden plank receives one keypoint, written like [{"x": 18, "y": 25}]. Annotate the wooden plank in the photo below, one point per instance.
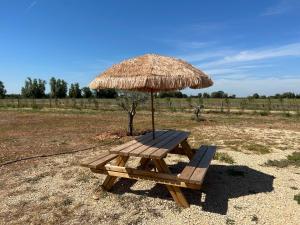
[
  {"x": 190, "y": 168},
  {"x": 166, "y": 147},
  {"x": 152, "y": 143},
  {"x": 147, "y": 153},
  {"x": 86, "y": 163},
  {"x": 203, "y": 165},
  {"x": 110, "y": 180},
  {"x": 127, "y": 144},
  {"x": 145, "y": 142},
  {"x": 136, "y": 174},
  {"x": 101, "y": 162}
]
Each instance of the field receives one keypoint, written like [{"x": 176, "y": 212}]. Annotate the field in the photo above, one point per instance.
[
  {"x": 254, "y": 179},
  {"x": 240, "y": 105}
]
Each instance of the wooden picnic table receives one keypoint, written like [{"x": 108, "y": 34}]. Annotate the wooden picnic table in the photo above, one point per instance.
[{"x": 150, "y": 150}]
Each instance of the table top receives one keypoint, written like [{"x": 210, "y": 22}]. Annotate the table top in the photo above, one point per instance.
[{"x": 147, "y": 147}]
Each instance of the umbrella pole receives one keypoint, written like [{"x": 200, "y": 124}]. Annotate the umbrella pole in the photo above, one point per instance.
[{"x": 152, "y": 110}]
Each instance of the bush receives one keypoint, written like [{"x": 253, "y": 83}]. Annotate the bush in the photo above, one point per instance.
[
  {"x": 224, "y": 157},
  {"x": 291, "y": 160},
  {"x": 297, "y": 198}
]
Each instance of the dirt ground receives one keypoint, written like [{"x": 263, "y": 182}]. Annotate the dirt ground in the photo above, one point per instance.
[{"x": 56, "y": 190}]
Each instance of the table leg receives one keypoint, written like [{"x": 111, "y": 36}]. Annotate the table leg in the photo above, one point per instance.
[
  {"x": 187, "y": 149},
  {"x": 174, "y": 191},
  {"x": 144, "y": 162},
  {"x": 110, "y": 180}
]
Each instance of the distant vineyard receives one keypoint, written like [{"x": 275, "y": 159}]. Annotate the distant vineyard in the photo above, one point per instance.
[{"x": 165, "y": 104}]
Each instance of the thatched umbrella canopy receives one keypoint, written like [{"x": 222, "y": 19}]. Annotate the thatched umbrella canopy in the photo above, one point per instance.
[{"x": 152, "y": 73}]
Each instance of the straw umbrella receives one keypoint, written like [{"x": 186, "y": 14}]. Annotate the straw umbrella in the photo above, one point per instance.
[{"x": 152, "y": 73}]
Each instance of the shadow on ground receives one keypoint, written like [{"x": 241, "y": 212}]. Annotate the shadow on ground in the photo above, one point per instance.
[{"x": 221, "y": 184}]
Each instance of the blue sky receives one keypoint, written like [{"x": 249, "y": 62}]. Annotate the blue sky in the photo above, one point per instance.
[{"x": 246, "y": 46}]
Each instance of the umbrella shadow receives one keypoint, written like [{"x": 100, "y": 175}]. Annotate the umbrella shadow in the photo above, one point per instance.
[{"x": 220, "y": 184}]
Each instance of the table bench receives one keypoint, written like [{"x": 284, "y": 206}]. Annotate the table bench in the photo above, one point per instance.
[{"x": 155, "y": 150}]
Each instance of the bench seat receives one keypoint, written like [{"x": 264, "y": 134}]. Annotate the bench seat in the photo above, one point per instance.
[
  {"x": 195, "y": 171},
  {"x": 99, "y": 161}
]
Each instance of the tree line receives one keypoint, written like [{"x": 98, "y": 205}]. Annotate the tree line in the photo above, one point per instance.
[{"x": 36, "y": 88}]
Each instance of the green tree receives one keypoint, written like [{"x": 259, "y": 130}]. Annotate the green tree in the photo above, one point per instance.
[
  {"x": 75, "y": 91},
  {"x": 86, "y": 92},
  {"x": 206, "y": 95},
  {"x": 58, "y": 88},
  {"x": 219, "y": 94},
  {"x": 34, "y": 88},
  {"x": 106, "y": 93},
  {"x": 2, "y": 90}
]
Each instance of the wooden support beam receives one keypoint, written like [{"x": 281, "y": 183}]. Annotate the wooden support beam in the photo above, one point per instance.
[
  {"x": 110, "y": 180},
  {"x": 174, "y": 191},
  {"x": 131, "y": 173},
  {"x": 187, "y": 149}
]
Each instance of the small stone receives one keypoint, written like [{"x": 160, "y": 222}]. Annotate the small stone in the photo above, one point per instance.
[{"x": 96, "y": 196}]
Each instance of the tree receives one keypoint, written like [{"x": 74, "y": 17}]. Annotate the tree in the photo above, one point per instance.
[
  {"x": 74, "y": 91},
  {"x": 58, "y": 88},
  {"x": 34, "y": 88},
  {"x": 255, "y": 95},
  {"x": 129, "y": 102},
  {"x": 172, "y": 94},
  {"x": 206, "y": 95},
  {"x": 2, "y": 90},
  {"x": 87, "y": 93},
  {"x": 288, "y": 95},
  {"x": 106, "y": 93},
  {"x": 219, "y": 94}
]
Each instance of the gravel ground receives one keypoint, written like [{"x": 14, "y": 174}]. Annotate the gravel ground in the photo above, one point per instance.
[{"x": 56, "y": 190}]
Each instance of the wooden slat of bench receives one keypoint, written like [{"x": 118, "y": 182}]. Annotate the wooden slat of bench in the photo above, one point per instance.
[
  {"x": 203, "y": 165},
  {"x": 147, "y": 153},
  {"x": 164, "y": 149},
  {"x": 101, "y": 162},
  {"x": 87, "y": 162},
  {"x": 190, "y": 168},
  {"x": 145, "y": 143},
  {"x": 130, "y": 143},
  {"x": 152, "y": 143}
]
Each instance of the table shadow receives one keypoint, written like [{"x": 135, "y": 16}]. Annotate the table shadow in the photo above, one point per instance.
[{"x": 221, "y": 183}]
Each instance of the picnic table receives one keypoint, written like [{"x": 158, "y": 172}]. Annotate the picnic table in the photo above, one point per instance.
[{"x": 153, "y": 152}]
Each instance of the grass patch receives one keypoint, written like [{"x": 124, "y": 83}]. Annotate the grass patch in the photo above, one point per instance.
[
  {"x": 257, "y": 148},
  {"x": 297, "y": 198},
  {"x": 230, "y": 221},
  {"x": 291, "y": 160},
  {"x": 224, "y": 157},
  {"x": 254, "y": 218}
]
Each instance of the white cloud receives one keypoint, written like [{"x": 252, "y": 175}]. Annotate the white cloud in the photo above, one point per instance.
[
  {"x": 282, "y": 7},
  {"x": 203, "y": 56},
  {"x": 31, "y": 5},
  {"x": 245, "y": 87},
  {"x": 258, "y": 54}
]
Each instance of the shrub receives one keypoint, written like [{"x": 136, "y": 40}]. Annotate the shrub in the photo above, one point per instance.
[
  {"x": 224, "y": 157},
  {"x": 293, "y": 160},
  {"x": 297, "y": 198},
  {"x": 258, "y": 148}
]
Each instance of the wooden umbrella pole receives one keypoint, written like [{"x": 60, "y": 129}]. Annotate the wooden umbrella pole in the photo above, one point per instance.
[{"x": 152, "y": 110}]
